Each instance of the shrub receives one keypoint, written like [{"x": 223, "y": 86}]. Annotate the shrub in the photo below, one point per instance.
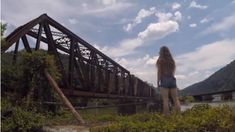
[
  {"x": 199, "y": 118},
  {"x": 23, "y": 84},
  {"x": 20, "y": 119}
]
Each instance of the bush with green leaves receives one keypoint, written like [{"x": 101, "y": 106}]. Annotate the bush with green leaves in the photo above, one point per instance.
[
  {"x": 19, "y": 118},
  {"x": 187, "y": 99},
  {"x": 24, "y": 86},
  {"x": 3, "y": 28},
  {"x": 199, "y": 118},
  {"x": 38, "y": 61},
  {"x": 26, "y": 78}
]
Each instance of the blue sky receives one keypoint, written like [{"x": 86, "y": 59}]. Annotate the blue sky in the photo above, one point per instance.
[{"x": 199, "y": 33}]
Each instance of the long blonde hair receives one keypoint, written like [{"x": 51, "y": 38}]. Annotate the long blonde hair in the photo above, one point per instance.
[{"x": 165, "y": 62}]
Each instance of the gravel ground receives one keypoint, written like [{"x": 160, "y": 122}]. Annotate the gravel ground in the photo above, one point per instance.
[{"x": 66, "y": 128}]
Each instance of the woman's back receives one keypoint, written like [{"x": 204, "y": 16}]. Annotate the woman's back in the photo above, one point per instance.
[
  {"x": 166, "y": 80},
  {"x": 165, "y": 63}
]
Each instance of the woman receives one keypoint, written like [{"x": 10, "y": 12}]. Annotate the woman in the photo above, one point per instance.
[{"x": 166, "y": 79}]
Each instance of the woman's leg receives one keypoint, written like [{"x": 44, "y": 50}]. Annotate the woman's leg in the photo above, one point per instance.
[
  {"x": 174, "y": 95},
  {"x": 165, "y": 98}
]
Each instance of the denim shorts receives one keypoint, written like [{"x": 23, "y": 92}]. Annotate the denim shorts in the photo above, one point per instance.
[{"x": 168, "y": 82}]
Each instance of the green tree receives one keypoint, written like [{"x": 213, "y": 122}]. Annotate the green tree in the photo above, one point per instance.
[
  {"x": 3, "y": 29},
  {"x": 23, "y": 87}
]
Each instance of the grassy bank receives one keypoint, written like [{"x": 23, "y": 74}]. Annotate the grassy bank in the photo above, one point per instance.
[{"x": 199, "y": 118}]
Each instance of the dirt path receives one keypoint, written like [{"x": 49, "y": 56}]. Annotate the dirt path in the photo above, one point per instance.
[{"x": 66, "y": 128}]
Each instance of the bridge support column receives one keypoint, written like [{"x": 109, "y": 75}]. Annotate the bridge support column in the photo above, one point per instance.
[
  {"x": 233, "y": 95},
  {"x": 127, "y": 109}
]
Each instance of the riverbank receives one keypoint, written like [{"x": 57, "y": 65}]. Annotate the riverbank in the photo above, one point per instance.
[
  {"x": 201, "y": 117},
  {"x": 213, "y": 104}
]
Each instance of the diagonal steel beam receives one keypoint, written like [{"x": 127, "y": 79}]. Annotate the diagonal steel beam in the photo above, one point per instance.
[
  {"x": 26, "y": 43},
  {"x": 39, "y": 36},
  {"x": 15, "y": 52},
  {"x": 21, "y": 31},
  {"x": 51, "y": 46}
]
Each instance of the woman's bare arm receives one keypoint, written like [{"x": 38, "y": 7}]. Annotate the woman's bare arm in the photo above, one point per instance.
[{"x": 158, "y": 76}]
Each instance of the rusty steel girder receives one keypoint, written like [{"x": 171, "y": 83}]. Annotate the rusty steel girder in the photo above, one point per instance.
[{"x": 88, "y": 72}]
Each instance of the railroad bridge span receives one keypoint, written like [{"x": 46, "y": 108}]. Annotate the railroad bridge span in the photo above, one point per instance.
[{"x": 88, "y": 73}]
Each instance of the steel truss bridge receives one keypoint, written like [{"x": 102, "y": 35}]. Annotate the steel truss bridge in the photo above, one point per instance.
[{"x": 88, "y": 72}]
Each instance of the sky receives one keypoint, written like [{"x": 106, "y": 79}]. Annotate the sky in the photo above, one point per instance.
[{"x": 199, "y": 33}]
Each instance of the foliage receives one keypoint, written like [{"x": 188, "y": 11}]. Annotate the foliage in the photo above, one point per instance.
[
  {"x": 3, "y": 28},
  {"x": 93, "y": 116},
  {"x": 28, "y": 74},
  {"x": 38, "y": 61},
  {"x": 11, "y": 78},
  {"x": 62, "y": 117},
  {"x": 23, "y": 86},
  {"x": 21, "y": 118},
  {"x": 18, "y": 118},
  {"x": 187, "y": 99},
  {"x": 199, "y": 118}
]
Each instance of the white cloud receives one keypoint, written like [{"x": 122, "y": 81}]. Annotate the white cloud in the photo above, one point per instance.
[
  {"x": 108, "y": 2},
  {"x": 108, "y": 10},
  {"x": 84, "y": 5},
  {"x": 204, "y": 20},
  {"x": 175, "y": 6},
  {"x": 193, "y": 4},
  {"x": 226, "y": 24},
  {"x": 169, "y": 16},
  {"x": 201, "y": 63},
  {"x": 164, "y": 16},
  {"x": 55, "y": 9},
  {"x": 73, "y": 20},
  {"x": 191, "y": 67},
  {"x": 208, "y": 56},
  {"x": 128, "y": 27},
  {"x": 188, "y": 17},
  {"x": 193, "y": 25},
  {"x": 126, "y": 47},
  {"x": 180, "y": 77},
  {"x": 141, "y": 68},
  {"x": 159, "y": 30},
  {"x": 43, "y": 46},
  {"x": 143, "y": 13},
  {"x": 59, "y": 10},
  {"x": 152, "y": 61},
  {"x": 178, "y": 16},
  {"x": 167, "y": 24},
  {"x": 193, "y": 73}
]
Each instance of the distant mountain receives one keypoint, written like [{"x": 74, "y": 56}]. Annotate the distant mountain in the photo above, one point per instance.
[{"x": 222, "y": 80}]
